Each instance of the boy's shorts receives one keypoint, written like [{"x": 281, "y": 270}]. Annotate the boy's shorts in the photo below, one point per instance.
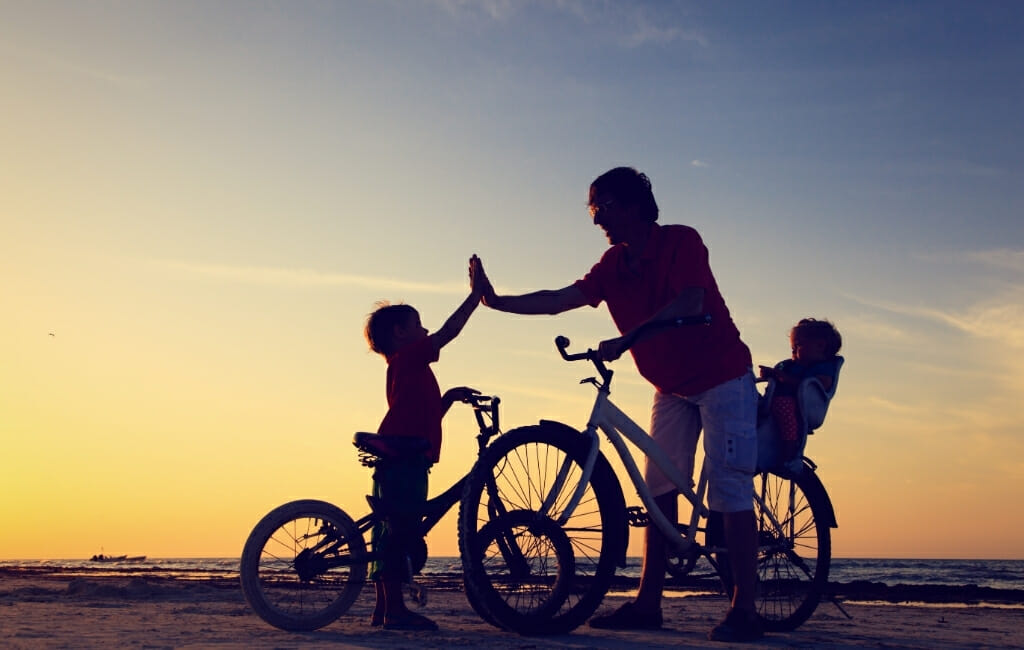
[
  {"x": 401, "y": 488},
  {"x": 728, "y": 415}
]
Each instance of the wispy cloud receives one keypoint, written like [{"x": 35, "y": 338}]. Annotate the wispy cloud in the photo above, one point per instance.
[
  {"x": 1000, "y": 319},
  {"x": 1002, "y": 258},
  {"x": 871, "y": 328},
  {"x": 946, "y": 168},
  {"x": 494, "y": 9},
  {"x": 698, "y": 163},
  {"x": 632, "y": 23},
  {"x": 285, "y": 277},
  {"x": 645, "y": 32},
  {"x": 81, "y": 68}
]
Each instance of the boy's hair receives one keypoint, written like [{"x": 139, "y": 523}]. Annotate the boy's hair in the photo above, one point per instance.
[
  {"x": 821, "y": 330},
  {"x": 630, "y": 187},
  {"x": 381, "y": 323}
]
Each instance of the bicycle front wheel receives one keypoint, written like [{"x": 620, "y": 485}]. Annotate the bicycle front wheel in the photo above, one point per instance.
[
  {"x": 794, "y": 521},
  {"x": 303, "y": 565},
  {"x": 526, "y": 564},
  {"x": 537, "y": 469}
]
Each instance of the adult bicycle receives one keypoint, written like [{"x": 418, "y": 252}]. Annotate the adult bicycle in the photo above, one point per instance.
[{"x": 560, "y": 474}]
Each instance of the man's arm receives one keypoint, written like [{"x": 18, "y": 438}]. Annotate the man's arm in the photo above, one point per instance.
[
  {"x": 689, "y": 302},
  {"x": 548, "y": 301}
]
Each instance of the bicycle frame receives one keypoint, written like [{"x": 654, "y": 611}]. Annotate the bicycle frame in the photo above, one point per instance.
[
  {"x": 617, "y": 426},
  {"x": 434, "y": 510},
  {"x": 485, "y": 409}
]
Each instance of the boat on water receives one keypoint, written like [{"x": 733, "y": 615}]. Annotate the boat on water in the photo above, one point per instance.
[{"x": 100, "y": 557}]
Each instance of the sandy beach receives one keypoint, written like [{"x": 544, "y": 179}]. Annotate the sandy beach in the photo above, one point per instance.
[{"x": 46, "y": 610}]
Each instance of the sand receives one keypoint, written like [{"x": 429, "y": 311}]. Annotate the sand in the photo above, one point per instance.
[{"x": 41, "y": 610}]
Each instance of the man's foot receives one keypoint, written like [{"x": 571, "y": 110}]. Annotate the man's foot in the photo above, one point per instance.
[
  {"x": 627, "y": 617},
  {"x": 376, "y": 620},
  {"x": 738, "y": 626},
  {"x": 410, "y": 621}
]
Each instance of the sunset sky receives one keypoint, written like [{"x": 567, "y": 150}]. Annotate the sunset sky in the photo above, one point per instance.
[{"x": 200, "y": 202}]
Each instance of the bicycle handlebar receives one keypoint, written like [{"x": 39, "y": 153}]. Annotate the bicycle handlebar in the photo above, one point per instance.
[
  {"x": 563, "y": 342},
  {"x": 485, "y": 407}
]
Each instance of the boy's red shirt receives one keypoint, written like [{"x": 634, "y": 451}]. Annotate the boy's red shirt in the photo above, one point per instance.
[{"x": 414, "y": 398}]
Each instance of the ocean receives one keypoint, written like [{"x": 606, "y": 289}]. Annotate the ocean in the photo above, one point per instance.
[{"x": 994, "y": 574}]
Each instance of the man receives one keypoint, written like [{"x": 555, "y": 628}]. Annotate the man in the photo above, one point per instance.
[{"x": 702, "y": 377}]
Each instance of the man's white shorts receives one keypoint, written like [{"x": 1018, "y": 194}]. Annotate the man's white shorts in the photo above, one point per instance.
[{"x": 728, "y": 415}]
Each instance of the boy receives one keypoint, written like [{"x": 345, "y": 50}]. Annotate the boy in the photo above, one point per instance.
[{"x": 415, "y": 409}]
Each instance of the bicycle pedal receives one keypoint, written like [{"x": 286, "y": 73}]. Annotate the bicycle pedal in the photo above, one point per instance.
[{"x": 637, "y": 517}]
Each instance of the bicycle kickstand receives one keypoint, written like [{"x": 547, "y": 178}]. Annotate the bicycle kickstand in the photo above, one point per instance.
[
  {"x": 835, "y": 601},
  {"x": 417, "y": 592}
]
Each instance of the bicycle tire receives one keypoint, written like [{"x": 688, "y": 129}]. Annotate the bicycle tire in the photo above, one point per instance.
[
  {"x": 793, "y": 563},
  {"x": 515, "y": 473},
  {"x": 303, "y": 565},
  {"x": 520, "y": 600}
]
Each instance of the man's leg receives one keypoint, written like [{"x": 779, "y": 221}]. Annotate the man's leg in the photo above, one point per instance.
[
  {"x": 741, "y": 540},
  {"x": 652, "y": 572},
  {"x": 675, "y": 426},
  {"x": 729, "y": 413}
]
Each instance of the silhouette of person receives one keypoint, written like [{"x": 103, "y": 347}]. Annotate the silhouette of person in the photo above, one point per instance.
[
  {"x": 702, "y": 376},
  {"x": 415, "y": 409},
  {"x": 815, "y": 344}
]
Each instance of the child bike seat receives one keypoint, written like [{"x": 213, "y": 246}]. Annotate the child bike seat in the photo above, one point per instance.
[
  {"x": 812, "y": 402},
  {"x": 374, "y": 447},
  {"x": 811, "y": 397}
]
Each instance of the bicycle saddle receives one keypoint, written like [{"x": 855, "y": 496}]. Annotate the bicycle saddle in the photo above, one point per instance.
[{"x": 389, "y": 446}]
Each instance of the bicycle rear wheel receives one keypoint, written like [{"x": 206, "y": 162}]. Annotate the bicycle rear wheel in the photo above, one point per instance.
[
  {"x": 303, "y": 565},
  {"x": 794, "y": 519},
  {"x": 537, "y": 469}
]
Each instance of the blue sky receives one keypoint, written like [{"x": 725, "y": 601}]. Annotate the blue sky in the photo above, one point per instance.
[{"x": 204, "y": 200}]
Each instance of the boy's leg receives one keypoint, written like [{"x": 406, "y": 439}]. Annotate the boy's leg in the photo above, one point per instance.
[
  {"x": 377, "y": 544},
  {"x": 377, "y": 618},
  {"x": 404, "y": 492}
]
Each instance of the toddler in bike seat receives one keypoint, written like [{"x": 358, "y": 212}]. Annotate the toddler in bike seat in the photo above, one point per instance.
[
  {"x": 415, "y": 409},
  {"x": 800, "y": 387}
]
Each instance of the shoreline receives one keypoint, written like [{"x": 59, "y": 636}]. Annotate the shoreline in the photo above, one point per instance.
[
  {"x": 44, "y": 609},
  {"x": 860, "y": 591}
]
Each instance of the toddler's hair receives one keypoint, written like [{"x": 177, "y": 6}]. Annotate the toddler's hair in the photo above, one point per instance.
[
  {"x": 821, "y": 330},
  {"x": 381, "y": 323}
]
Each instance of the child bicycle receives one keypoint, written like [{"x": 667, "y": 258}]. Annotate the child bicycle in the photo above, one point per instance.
[
  {"x": 560, "y": 474},
  {"x": 305, "y": 562}
]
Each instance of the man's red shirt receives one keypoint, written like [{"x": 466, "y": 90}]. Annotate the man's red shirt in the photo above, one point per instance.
[
  {"x": 414, "y": 398},
  {"x": 685, "y": 360}
]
